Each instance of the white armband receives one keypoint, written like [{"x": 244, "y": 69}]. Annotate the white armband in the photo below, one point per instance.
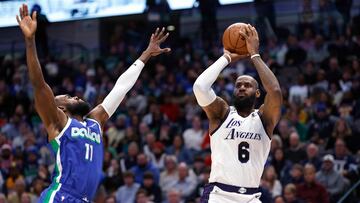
[
  {"x": 204, "y": 94},
  {"x": 123, "y": 84}
]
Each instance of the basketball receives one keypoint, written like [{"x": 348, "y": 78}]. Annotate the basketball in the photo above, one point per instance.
[{"x": 233, "y": 41}]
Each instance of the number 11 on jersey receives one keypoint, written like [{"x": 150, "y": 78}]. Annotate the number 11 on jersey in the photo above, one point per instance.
[{"x": 89, "y": 152}]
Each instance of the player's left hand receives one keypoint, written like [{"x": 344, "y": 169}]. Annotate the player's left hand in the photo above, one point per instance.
[
  {"x": 27, "y": 24},
  {"x": 252, "y": 39},
  {"x": 156, "y": 39}
]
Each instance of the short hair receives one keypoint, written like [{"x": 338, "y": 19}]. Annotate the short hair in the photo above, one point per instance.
[
  {"x": 141, "y": 191},
  {"x": 148, "y": 175},
  {"x": 128, "y": 174},
  {"x": 290, "y": 187},
  {"x": 298, "y": 167}
]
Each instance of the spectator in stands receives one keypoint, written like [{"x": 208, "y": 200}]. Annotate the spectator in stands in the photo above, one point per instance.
[
  {"x": 173, "y": 196},
  {"x": 312, "y": 152},
  {"x": 307, "y": 16},
  {"x": 307, "y": 41},
  {"x": 332, "y": 180},
  {"x": 193, "y": 136},
  {"x": 204, "y": 179},
  {"x": 281, "y": 165},
  {"x": 320, "y": 127},
  {"x": 298, "y": 92},
  {"x": 179, "y": 150},
  {"x": 152, "y": 190},
  {"x": 294, "y": 119},
  {"x": 37, "y": 186},
  {"x": 310, "y": 190},
  {"x": 341, "y": 130},
  {"x": 319, "y": 52},
  {"x": 198, "y": 166},
  {"x": 116, "y": 132},
  {"x": 150, "y": 139},
  {"x": 137, "y": 101},
  {"x": 295, "y": 54},
  {"x": 127, "y": 192},
  {"x": 279, "y": 199},
  {"x": 296, "y": 175},
  {"x": 142, "y": 197},
  {"x": 284, "y": 129},
  {"x": 19, "y": 190},
  {"x": 271, "y": 181},
  {"x": 157, "y": 156},
  {"x": 333, "y": 74},
  {"x": 186, "y": 182},
  {"x": 295, "y": 153},
  {"x": 143, "y": 165},
  {"x": 169, "y": 176},
  {"x": 344, "y": 163},
  {"x": 290, "y": 194},
  {"x": 329, "y": 20},
  {"x": 309, "y": 73},
  {"x": 113, "y": 177},
  {"x": 129, "y": 160}
]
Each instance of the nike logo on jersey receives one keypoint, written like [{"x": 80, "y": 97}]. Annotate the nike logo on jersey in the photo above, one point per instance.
[{"x": 233, "y": 134}]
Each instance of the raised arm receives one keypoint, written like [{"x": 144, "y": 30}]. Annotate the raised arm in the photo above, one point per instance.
[
  {"x": 126, "y": 81},
  {"x": 214, "y": 106},
  {"x": 53, "y": 118},
  {"x": 271, "y": 109}
]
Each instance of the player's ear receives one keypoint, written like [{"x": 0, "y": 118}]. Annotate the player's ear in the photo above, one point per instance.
[{"x": 257, "y": 93}]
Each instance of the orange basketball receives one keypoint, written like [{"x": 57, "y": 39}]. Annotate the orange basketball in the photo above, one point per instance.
[{"x": 233, "y": 41}]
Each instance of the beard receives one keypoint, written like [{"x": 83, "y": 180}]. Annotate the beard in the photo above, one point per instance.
[
  {"x": 79, "y": 109},
  {"x": 246, "y": 102}
]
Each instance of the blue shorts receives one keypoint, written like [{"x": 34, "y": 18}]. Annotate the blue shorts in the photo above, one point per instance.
[{"x": 50, "y": 195}]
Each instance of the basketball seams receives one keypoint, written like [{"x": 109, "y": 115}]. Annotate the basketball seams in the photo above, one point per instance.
[{"x": 231, "y": 40}]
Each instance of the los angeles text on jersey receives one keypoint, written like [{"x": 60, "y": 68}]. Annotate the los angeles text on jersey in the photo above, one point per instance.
[
  {"x": 85, "y": 133},
  {"x": 233, "y": 134}
]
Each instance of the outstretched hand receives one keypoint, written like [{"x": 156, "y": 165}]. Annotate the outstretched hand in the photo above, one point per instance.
[
  {"x": 252, "y": 39},
  {"x": 156, "y": 39},
  {"x": 27, "y": 24}
]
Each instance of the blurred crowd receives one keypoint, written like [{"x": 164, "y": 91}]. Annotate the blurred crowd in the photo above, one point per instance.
[{"x": 157, "y": 143}]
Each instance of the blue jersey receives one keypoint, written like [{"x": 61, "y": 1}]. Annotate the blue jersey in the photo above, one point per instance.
[{"x": 79, "y": 156}]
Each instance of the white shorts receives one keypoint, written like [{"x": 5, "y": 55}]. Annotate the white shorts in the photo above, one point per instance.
[{"x": 213, "y": 194}]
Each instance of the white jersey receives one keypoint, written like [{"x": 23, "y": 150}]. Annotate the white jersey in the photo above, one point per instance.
[{"x": 239, "y": 149}]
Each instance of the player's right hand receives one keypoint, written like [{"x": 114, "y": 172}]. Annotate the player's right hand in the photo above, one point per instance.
[
  {"x": 232, "y": 57},
  {"x": 155, "y": 41},
  {"x": 27, "y": 24}
]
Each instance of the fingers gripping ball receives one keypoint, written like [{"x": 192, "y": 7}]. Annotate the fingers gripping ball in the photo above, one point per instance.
[{"x": 233, "y": 41}]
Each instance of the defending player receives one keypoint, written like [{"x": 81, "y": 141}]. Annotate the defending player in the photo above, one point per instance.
[
  {"x": 240, "y": 134},
  {"x": 74, "y": 131}
]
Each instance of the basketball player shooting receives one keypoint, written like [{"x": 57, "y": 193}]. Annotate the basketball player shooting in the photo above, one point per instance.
[
  {"x": 75, "y": 131},
  {"x": 240, "y": 134}
]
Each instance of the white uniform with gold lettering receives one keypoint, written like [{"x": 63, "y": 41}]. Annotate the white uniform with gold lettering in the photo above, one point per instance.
[{"x": 239, "y": 149}]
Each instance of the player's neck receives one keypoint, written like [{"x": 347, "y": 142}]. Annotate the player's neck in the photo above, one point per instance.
[
  {"x": 77, "y": 117},
  {"x": 245, "y": 112}
]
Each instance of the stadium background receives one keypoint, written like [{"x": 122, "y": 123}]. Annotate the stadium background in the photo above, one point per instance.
[{"x": 313, "y": 47}]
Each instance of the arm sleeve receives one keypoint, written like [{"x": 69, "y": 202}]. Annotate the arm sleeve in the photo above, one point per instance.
[
  {"x": 123, "y": 84},
  {"x": 204, "y": 94}
]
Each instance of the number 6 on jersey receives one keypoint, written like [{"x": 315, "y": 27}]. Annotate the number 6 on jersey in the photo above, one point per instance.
[
  {"x": 244, "y": 153},
  {"x": 89, "y": 152}
]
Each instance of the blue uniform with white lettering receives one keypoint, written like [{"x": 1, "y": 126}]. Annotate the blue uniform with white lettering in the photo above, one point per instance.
[{"x": 79, "y": 152}]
